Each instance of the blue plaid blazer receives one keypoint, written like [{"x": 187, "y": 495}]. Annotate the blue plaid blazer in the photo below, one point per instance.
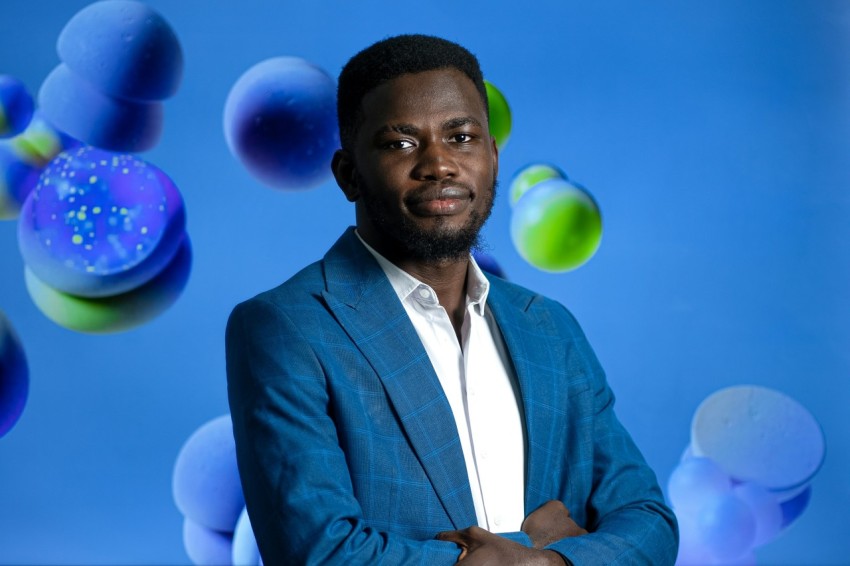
[{"x": 347, "y": 449}]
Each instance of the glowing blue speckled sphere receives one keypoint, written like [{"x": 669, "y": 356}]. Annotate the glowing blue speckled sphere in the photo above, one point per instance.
[
  {"x": 280, "y": 122},
  {"x": 100, "y": 223}
]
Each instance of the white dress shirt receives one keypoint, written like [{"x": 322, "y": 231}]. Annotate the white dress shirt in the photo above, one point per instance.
[{"x": 478, "y": 380}]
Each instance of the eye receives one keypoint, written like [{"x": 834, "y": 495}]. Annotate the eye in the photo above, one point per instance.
[
  {"x": 398, "y": 144},
  {"x": 462, "y": 137}
]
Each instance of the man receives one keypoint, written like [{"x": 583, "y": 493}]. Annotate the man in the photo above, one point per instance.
[{"x": 393, "y": 405}]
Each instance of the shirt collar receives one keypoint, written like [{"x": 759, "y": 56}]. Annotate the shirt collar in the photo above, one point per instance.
[{"x": 404, "y": 284}]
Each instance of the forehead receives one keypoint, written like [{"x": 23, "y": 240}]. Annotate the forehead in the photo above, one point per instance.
[{"x": 420, "y": 97}]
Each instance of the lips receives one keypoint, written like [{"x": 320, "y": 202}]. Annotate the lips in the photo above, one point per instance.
[{"x": 440, "y": 200}]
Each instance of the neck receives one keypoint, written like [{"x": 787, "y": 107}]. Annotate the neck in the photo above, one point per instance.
[{"x": 448, "y": 279}]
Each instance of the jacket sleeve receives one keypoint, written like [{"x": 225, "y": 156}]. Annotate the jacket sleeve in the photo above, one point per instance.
[
  {"x": 628, "y": 521},
  {"x": 294, "y": 474}
]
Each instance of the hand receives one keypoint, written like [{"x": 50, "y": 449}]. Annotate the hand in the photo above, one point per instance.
[
  {"x": 481, "y": 547},
  {"x": 550, "y": 522}
]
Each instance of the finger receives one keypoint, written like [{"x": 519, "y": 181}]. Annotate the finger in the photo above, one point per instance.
[{"x": 456, "y": 537}]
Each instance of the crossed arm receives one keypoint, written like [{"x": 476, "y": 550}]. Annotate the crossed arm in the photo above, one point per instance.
[{"x": 548, "y": 523}]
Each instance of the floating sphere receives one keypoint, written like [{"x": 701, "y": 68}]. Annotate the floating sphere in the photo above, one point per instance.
[
  {"x": 761, "y": 435},
  {"x": 100, "y": 224},
  {"x": 488, "y": 264},
  {"x": 206, "y": 547},
  {"x": 556, "y": 226},
  {"x": 245, "y": 551},
  {"x": 123, "y": 49},
  {"x": 280, "y": 122},
  {"x": 530, "y": 176},
  {"x": 17, "y": 179},
  {"x": 40, "y": 142},
  {"x": 726, "y": 527},
  {"x": 76, "y": 107},
  {"x": 14, "y": 377},
  {"x": 116, "y": 313},
  {"x": 691, "y": 552},
  {"x": 499, "y": 116},
  {"x": 16, "y": 106},
  {"x": 205, "y": 483},
  {"x": 693, "y": 481},
  {"x": 765, "y": 509},
  {"x": 21, "y": 160}
]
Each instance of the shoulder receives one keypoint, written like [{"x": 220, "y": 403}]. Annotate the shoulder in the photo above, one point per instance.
[
  {"x": 299, "y": 298},
  {"x": 502, "y": 291}
]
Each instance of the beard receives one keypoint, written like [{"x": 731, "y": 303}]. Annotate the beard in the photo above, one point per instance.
[{"x": 438, "y": 243}]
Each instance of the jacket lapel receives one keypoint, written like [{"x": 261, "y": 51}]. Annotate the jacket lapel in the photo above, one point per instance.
[
  {"x": 534, "y": 347},
  {"x": 365, "y": 305}
]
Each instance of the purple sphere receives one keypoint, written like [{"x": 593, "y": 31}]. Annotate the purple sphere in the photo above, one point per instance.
[{"x": 280, "y": 122}]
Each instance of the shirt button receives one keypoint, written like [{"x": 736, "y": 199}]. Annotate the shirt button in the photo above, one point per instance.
[
  {"x": 497, "y": 521},
  {"x": 423, "y": 292}
]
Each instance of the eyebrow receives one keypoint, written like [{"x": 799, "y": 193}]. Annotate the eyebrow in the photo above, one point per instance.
[{"x": 410, "y": 129}]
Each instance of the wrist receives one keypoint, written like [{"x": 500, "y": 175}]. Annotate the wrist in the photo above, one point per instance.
[{"x": 554, "y": 559}]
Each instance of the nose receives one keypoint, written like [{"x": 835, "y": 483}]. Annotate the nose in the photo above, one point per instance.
[{"x": 434, "y": 162}]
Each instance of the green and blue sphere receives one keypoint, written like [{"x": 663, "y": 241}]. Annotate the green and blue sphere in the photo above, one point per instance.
[
  {"x": 556, "y": 226},
  {"x": 532, "y": 175},
  {"x": 500, "y": 115}
]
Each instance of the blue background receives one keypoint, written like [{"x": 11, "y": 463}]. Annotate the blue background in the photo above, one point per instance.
[{"x": 714, "y": 135}]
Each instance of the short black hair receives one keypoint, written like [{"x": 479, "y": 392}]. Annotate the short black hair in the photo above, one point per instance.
[{"x": 389, "y": 59}]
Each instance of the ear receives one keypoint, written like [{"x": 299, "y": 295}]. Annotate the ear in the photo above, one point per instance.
[{"x": 345, "y": 174}]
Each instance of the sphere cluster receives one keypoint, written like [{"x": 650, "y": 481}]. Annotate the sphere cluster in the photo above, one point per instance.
[
  {"x": 120, "y": 59},
  {"x": 207, "y": 491},
  {"x": 555, "y": 224},
  {"x": 103, "y": 237},
  {"x": 746, "y": 475}
]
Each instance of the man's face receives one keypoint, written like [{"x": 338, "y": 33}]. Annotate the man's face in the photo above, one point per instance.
[{"x": 424, "y": 166}]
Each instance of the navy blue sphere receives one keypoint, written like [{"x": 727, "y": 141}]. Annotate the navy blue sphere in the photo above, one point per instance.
[
  {"x": 280, "y": 122},
  {"x": 16, "y": 106},
  {"x": 14, "y": 377}
]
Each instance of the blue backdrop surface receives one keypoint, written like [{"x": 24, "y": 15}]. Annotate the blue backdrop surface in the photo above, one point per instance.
[{"x": 714, "y": 135}]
